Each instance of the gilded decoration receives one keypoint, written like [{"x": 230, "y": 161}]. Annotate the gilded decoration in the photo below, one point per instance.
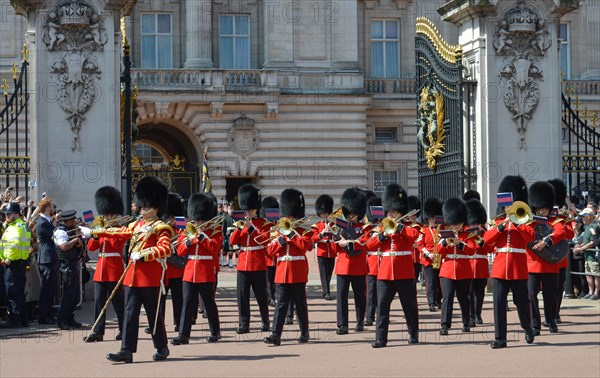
[{"x": 430, "y": 121}]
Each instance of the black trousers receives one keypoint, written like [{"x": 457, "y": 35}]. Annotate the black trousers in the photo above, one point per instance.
[
  {"x": 206, "y": 291},
  {"x": 386, "y": 291},
  {"x": 49, "y": 274},
  {"x": 461, "y": 288},
  {"x": 418, "y": 268},
  {"x": 432, "y": 281},
  {"x": 70, "y": 295},
  {"x": 102, "y": 291},
  {"x": 371, "y": 296},
  {"x": 520, "y": 299},
  {"x": 14, "y": 279},
  {"x": 360, "y": 291},
  {"x": 291, "y": 309},
  {"x": 271, "y": 282},
  {"x": 257, "y": 281},
  {"x": 135, "y": 297},
  {"x": 283, "y": 294},
  {"x": 476, "y": 296},
  {"x": 175, "y": 287},
  {"x": 562, "y": 276},
  {"x": 326, "y": 265},
  {"x": 549, "y": 283}
]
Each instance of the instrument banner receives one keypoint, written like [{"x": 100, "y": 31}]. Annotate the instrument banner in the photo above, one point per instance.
[{"x": 88, "y": 216}]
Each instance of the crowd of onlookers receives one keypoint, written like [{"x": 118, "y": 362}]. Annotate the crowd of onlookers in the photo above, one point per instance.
[{"x": 586, "y": 257}]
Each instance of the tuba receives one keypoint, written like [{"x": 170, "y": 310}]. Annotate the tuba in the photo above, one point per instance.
[{"x": 519, "y": 213}]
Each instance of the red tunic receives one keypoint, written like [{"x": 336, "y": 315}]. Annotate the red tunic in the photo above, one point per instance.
[
  {"x": 510, "y": 257},
  {"x": 479, "y": 262},
  {"x": 292, "y": 265},
  {"x": 570, "y": 234},
  {"x": 416, "y": 251},
  {"x": 155, "y": 236},
  {"x": 172, "y": 270},
  {"x": 203, "y": 260},
  {"x": 252, "y": 253},
  {"x": 427, "y": 244},
  {"x": 353, "y": 265},
  {"x": 456, "y": 263},
  {"x": 325, "y": 245},
  {"x": 395, "y": 260},
  {"x": 110, "y": 258},
  {"x": 534, "y": 263}
]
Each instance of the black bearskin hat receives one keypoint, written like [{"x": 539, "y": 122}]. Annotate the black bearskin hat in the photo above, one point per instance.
[
  {"x": 369, "y": 194},
  {"x": 354, "y": 201},
  {"x": 455, "y": 211},
  {"x": 174, "y": 206},
  {"x": 108, "y": 201},
  {"x": 471, "y": 194},
  {"x": 268, "y": 203},
  {"x": 414, "y": 203},
  {"x": 515, "y": 185},
  {"x": 476, "y": 212},
  {"x": 373, "y": 201},
  {"x": 541, "y": 196},
  {"x": 560, "y": 192},
  {"x": 249, "y": 197},
  {"x": 394, "y": 198},
  {"x": 201, "y": 207},
  {"x": 292, "y": 204},
  {"x": 431, "y": 208},
  {"x": 151, "y": 192},
  {"x": 324, "y": 204}
]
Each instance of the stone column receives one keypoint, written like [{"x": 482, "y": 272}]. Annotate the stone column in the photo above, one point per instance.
[
  {"x": 75, "y": 53},
  {"x": 198, "y": 34},
  {"x": 511, "y": 49}
]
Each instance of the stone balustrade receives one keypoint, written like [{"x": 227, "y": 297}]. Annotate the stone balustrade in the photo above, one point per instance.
[
  {"x": 581, "y": 87},
  {"x": 390, "y": 86}
]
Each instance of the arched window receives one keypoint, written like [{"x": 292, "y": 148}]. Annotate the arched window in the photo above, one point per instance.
[{"x": 150, "y": 155}]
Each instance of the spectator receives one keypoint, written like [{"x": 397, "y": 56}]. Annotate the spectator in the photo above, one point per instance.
[
  {"x": 588, "y": 246},
  {"x": 578, "y": 262},
  {"x": 48, "y": 261}
]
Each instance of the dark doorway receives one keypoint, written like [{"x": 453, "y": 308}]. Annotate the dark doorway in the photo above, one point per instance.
[{"x": 232, "y": 184}]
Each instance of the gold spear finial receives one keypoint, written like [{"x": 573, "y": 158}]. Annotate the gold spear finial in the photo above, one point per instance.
[
  {"x": 25, "y": 52},
  {"x": 14, "y": 71},
  {"x": 5, "y": 87}
]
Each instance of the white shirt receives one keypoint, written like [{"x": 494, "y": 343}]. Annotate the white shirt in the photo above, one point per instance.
[{"x": 60, "y": 237}]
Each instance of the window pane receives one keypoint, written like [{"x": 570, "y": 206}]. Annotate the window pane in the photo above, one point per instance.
[
  {"x": 392, "y": 69},
  {"x": 148, "y": 52},
  {"x": 383, "y": 135},
  {"x": 226, "y": 26},
  {"x": 377, "y": 60},
  {"x": 376, "y": 29},
  {"x": 391, "y": 30},
  {"x": 242, "y": 53},
  {"x": 148, "y": 23},
  {"x": 164, "y": 23},
  {"x": 164, "y": 51},
  {"x": 226, "y": 53},
  {"x": 241, "y": 25},
  {"x": 564, "y": 34},
  {"x": 564, "y": 62}
]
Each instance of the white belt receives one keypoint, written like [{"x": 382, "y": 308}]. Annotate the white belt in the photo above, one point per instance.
[
  {"x": 109, "y": 254},
  {"x": 479, "y": 257},
  {"x": 457, "y": 256},
  {"x": 200, "y": 257},
  {"x": 511, "y": 250},
  {"x": 396, "y": 253},
  {"x": 249, "y": 249},
  {"x": 373, "y": 253},
  {"x": 291, "y": 258}
]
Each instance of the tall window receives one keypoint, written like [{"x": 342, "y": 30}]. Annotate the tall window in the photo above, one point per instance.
[
  {"x": 385, "y": 49},
  {"x": 565, "y": 50},
  {"x": 234, "y": 42},
  {"x": 157, "y": 40},
  {"x": 381, "y": 179}
]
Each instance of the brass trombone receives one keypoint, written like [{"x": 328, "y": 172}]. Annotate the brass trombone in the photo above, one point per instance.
[
  {"x": 190, "y": 232},
  {"x": 390, "y": 225}
]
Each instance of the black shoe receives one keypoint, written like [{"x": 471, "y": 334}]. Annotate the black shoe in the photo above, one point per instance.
[
  {"x": 266, "y": 327},
  {"x": 379, "y": 344},
  {"x": 359, "y": 327},
  {"x": 93, "y": 337},
  {"x": 74, "y": 324},
  {"x": 118, "y": 337},
  {"x": 213, "y": 338},
  {"x": 536, "y": 331},
  {"x": 369, "y": 321},
  {"x": 272, "y": 303},
  {"x": 303, "y": 339},
  {"x": 289, "y": 321},
  {"x": 327, "y": 297},
  {"x": 444, "y": 330},
  {"x": 274, "y": 340},
  {"x": 438, "y": 305},
  {"x": 432, "y": 308},
  {"x": 180, "y": 340},
  {"x": 472, "y": 323},
  {"x": 10, "y": 325},
  {"x": 479, "y": 320},
  {"x": 161, "y": 354},
  {"x": 530, "y": 335},
  {"x": 25, "y": 325},
  {"x": 553, "y": 328},
  {"x": 466, "y": 328},
  {"x": 63, "y": 326},
  {"x": 46, "y": 321},
  {"x": 558, "y": 321},
  {"x": 123, "y": 355},
  {"x": 147, "y": 330},
  {"x": 242, "y": 329},
  {"x": 204, "y": 316},
  {"x": 497, "y": 344},
  {"x": 546, "y": 324},
  {"x": 342, "y": 330},
  {"x": 413, "y": 340}
]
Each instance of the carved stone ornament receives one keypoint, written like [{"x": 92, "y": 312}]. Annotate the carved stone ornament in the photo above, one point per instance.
[
  {"x": 243, "y": 138},
  {"x": 522, "y": 38},
  {"x": 75, "y": 30}
]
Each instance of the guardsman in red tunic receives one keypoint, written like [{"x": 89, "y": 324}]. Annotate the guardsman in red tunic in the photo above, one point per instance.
[
  {"x": 477, "y": 218},
  {"x": 252, "y": 266},
  {"x": 200, "y": 274},
  {"x": 541, "y": 201},
  {"x": 427, "y": 245},
  {"x": 109, "y": 268},
  {"x": 509, "y": 270},
  {"x": 396, "y": 272},
  {"x": 414, "y": 203},
  {"x": 455, "y": 271},
  {"x": 325, "y": 243},
  {"x": 564, "y": 216},
  {"x": 351, "y": 267},
  {"x": 270, "y": 203},
  {"x": 372, "y": 262},
  {"x": 150, "y": 245},
  {"x": 289, "y": 248}
]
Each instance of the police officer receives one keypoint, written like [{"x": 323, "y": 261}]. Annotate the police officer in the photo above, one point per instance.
[{"x": 14, "y": 254}]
